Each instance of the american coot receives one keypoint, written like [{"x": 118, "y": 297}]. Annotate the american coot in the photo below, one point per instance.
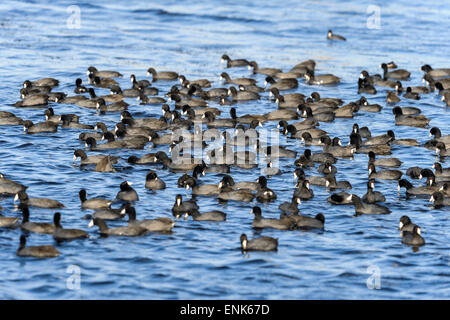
[
  {"x": 260, "y": 223},
  {"x": 33, "y": 101},
  {"x": 37, "y": 227},
  {"x": 105, "y": 165},
  {"x": 85, "y": 159},
  {"x": 303, "y": 190},
  {"x": 48, "y": 126},
  {"x": 414, "y": 172},
  {"x": 37, "y": 202},
  {"x": 411, "y": 190},
  {"x": 363, "y": 132},
  {"x": 228, "y": 192},
  {"x": 127, "y": 193},
  {"x": 372, "y": 196},
  {"x": 439, "y": 171},
  {"x": 107, "y": 214},
  {"x": 234, "y": 63},
  {"x": 128, "y": 231},
  {"x": 290, "y": 207},
  {"x": 441, "y": 149},
  {"x": 419, "y": 121},
  {"x": 333, "y": 147},
  {"x": 413, "y": 238},
  {"x": 282, "y": 84},
  {"x": 340, "y": 198},
  {"x": 242, "y": 95},
  {"x": 258, "y": 244},
  {"x": 50, "y": 82},
  {"x": 417, "y": 89},
  {"x": 327, "y": 168},
  {"x": 364, "y": 105},
  {"x": 435, "y": 73},
  {"x": 384, "y": 174},
  {"x": 152, "y": 225},
  {"x": 139, "y": 84},
  {"x": 66, "y": 234},
  {"x": 322, "y": 79},
  {"x": 9, "y": 187},
  {"x": 153, "y": 182},
  {"x": 438, "y": 200},
  {"x": 214, "y": 215},
  {"x": 252, "y": 65},
  {"x": 409, "y": 94},
  {"x": 306, "y": 223},
  {"x": 103, "y": 73},
  {"x": 391, "y": 97},
  {"x": 93, "y": 203},
  {"x": 180, "y": 207},
  {"x": 237, "y": 81},
  {"x": 36, "y": 251},
  {"x": 406, "y": 224},
  {"x": 320, "y": 157},
  {"x": 365, "y": 87},
  {"x": 102, "y": 82},
  {"x": 384, "y": 162},
  {"x": 399, "y": 74},
  {"x": 8, "y": 222},
  {"x": 264, "y": 194},
  {"x": 204, "y": 83},
  {"x": 78, "y": 87},
  {"x": 330, "y": 182},
  {"x": 368, "y": 208},
  {"x": 331, "y": 36},
  {"x": 437, "y": 134}
]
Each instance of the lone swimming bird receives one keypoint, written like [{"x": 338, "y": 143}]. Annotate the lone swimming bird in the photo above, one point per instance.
[
  {"x": 331, "y": 36},
  {"x": 258, "y": 244}
]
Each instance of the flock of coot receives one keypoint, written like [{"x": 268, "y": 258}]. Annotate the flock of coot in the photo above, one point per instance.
[{"x": 298, "y": 117}]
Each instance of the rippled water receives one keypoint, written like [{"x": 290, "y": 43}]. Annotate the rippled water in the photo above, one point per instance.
[{"x": 202, "y": 260}]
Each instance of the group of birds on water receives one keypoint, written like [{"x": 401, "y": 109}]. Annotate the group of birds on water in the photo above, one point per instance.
[{"x": 192, "y": 100}]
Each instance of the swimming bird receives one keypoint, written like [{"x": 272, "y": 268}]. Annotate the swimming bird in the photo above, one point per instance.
[
  {"x": 103, "y": 73},
  {"x": 331, "y": 36},
  {"x": 413, "y": 238},
  {"x": 93, "y": 203},
  {"x": 384, "y": 174},
  {"x": 438, "y": 200},
  {"x": 237, "y": 81},
  {"x": 260, "y": 223},
  {"x": 180, "y": 207},
  {"x": 162, "y": 75},
  {"x": 66, "y": 234},
  {"x": 37, "y": 202},
  {"x": 372, "y": 196},
  {"x": 384, "y": 162},
  {"x": 46, "y": 251},
  {"x": 368, "y": 208},
  {"x": 399, "y": 74},
  {"x": 418, "y": 121},
  {"x": 37, "y": 227},
  {"x": 258, "y": 244},
  {"x": 234, "y": 63},
  {"x": 323, "y": 79},
  {"x": 128, "y": 231},
  {"x": 153, "y": 182},
  {"x": 406, "y": 224},
  {"x": 152, "y": 225},
  {"x": 48, "y": 126},
  {"x": 214, "y": 215},
  {"x": 127, "y": 193}
]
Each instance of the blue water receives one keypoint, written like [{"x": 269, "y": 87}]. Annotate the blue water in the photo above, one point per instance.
[{"x": 202, "y": 260}]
